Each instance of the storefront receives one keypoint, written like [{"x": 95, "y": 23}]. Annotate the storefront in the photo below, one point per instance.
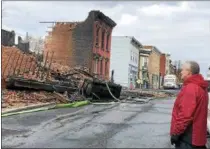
[{"x": 133, "y": 72}]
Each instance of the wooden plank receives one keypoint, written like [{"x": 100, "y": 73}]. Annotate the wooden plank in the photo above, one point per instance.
[{"x": 61, "y": 98}]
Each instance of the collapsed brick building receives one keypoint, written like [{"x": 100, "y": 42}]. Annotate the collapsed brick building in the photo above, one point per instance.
[{"x": 85, "y": 44}]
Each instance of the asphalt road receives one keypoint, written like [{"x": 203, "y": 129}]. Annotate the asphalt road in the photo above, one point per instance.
[{"x": 124, "y": 125}]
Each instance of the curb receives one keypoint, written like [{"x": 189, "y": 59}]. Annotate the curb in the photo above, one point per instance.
[
  {"x": 43, "y": 107},
  {"x": 26, "y": 111},
  {"x": 29, "y": 108}
]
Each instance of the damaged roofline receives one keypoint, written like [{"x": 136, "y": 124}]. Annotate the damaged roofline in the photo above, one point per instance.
[{"x": 101, "y": 15}]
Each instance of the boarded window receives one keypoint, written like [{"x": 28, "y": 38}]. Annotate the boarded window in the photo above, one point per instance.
[
  {"x": 97, "y": 36},
  {"x": 107, "y": 42},
  {"x": 106, "y": 68},
  {"x": 101, "y": 68},
  {"x": 102, "y": 42},
  {"x": 96, "y": 66}
]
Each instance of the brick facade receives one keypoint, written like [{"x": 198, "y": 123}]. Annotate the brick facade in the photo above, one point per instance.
[
  {"x": 163, "y": 65},
  {"x": 154, "y": 67},
  {"x": 162, "y": 68},
  {"x": 80, "y": 43}
]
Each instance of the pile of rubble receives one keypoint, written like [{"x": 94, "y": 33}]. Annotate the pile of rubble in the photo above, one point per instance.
[
  {"x": 27, "y": 80},
  {"x": 14, "y": 98}
]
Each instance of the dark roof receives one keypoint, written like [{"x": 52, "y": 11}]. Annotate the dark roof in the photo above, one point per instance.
[
  {"x": 145, "y": 51},
  {"x": 136, "y": 42},
  {"x": 152, "y": 47},
  {"x": 157, "y": 50},
  {"x": 100, "y": 15}
]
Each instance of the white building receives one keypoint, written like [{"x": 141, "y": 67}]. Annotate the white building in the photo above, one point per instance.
[{"x": 124, "y": 60}]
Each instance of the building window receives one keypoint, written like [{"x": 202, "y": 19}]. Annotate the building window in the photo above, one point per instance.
[
  {"x": 106, "y": 68},
  {"x": 102, "y": 42},
  {"x": 101, "y": 68},
  {"x": 97, "y": 36},
  {"x": 131, "y": 56},
  {"x": 143, "y": 61},
  {"x": 96, "y": 66},
  {"x": 107, "y": 42}
]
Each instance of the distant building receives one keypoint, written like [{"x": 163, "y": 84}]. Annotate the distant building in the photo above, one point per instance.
[
  {"x": 23, "y": 45},
  {"x": 172, "y": 68},
  {"x": 84, "y": 43},
  {"x": 162, "y": 68},
  {"x": 143, "y": 78},
  {"x": 167, "y": 66},
  {"x": 8, "y": 39},
  {"x": 154, "y": 66},
  {"x": 125, "y": 60}
]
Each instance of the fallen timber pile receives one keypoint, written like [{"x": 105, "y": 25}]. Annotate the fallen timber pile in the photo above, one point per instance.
[
  {"x": 26, "y": 80},
  {"x": 130, "y": 94}
]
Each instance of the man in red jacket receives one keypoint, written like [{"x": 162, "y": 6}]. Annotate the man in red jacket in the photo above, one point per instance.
[{"x": 189, "y": 116}]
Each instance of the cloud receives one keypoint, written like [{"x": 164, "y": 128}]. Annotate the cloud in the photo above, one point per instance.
[
  {"x": 179, "y": 28},
  {"x": 127, "y": 19},
  {"x": 165, "y": 10}
]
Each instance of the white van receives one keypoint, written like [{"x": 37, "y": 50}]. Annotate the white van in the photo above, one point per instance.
[{"x": 170, "y": 82}]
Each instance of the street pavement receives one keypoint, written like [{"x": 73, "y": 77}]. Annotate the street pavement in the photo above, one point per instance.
[{"x": 118, "y": 125}]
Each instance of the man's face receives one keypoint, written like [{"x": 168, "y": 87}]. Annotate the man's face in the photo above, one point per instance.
[{"x": 185, "y": 73}]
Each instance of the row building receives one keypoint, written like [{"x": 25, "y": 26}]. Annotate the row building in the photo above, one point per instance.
[{"x": 138, "y": 66}]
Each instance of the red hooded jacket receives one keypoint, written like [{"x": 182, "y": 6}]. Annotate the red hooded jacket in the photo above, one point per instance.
[{"x": 189, "y": 116}]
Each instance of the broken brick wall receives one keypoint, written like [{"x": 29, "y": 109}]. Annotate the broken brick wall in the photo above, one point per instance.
[
  {"x": 83, "y": 38},
  {"x": 72, "y": 43},
  {"x": 59, "y": 41}
]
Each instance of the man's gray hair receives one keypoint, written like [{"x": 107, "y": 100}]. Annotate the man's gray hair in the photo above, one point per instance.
[{"x": 194, "y": 67}]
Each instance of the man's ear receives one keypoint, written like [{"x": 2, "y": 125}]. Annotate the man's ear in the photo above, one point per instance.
[{"x": 208, "y": 89}]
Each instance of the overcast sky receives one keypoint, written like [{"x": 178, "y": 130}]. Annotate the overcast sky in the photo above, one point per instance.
[{"x": 179, "y": 28}]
